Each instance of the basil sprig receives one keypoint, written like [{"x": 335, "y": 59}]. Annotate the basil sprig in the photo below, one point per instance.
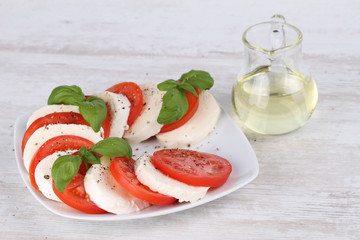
[
  {"x": 66, "y": 95},
  {"x": 112, "y": 147},
  {"x": 175, "y": 104},
  {"x": 94, "y": 112},
  {"x": 66, "y": 167},
  {"x": 64, "y": 170},
  {"x": 93, "y": 109},
  {"x": 198, "y": 79}
]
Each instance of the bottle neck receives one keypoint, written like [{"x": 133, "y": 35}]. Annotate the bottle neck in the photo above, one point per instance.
[{"x": 289, "y": 58}]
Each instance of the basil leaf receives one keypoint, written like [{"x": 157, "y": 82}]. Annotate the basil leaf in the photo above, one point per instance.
[
  {"x": 82, "y": 151},
  {"x": 88, "y": 156},
  {"x": 167, "y": 85},
  {"x": 92, "y": 158},
  {"x": 174, "y": 106},
  {"x": 94, "y": 112},
  {"x": 66, "y": 95},
  {"x": 64, "y": 170},
  {"x": 112, "y": 147},
  {"x": 198, "y": 79},
  {"x": 188, "y": 87}
]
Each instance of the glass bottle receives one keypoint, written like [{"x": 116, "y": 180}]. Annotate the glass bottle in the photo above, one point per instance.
[{"x": 276, "y": 93}]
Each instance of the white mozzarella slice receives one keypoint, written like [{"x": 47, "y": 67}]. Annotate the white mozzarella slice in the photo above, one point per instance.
[
  {"x": 197, "y": 128},
  {"x": 106, "y": 193},
  {"x": 43, "y": 174},
  {"x": 48, "y": 109},
  {"x": 146, "y": 125},
  {"x": 41, "y": 135},
  {"x": 158, "y": 182},
  {"x": 119, "y": 112}
]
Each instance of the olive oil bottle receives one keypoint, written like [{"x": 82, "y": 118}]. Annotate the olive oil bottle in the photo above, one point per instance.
[{"x": 275, "y": 94}]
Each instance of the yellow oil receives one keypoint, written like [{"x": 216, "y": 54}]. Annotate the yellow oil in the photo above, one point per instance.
[{"x": 274, "y": 101}]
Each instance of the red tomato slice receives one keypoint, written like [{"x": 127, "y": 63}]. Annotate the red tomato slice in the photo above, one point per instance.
[
  {"x": 59, "y": 143},
  {"x": 192, "y": 167},
  {"x": 76, "y": 197},
  {"x": 193, "y": 102},
  {"x": 106, "y": 125},
  {"x": 122, "y": 169},
  {"x": 133, "y": 92},
  {"x": 61, "y": 118}
]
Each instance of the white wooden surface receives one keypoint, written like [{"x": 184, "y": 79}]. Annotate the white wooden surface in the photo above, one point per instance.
[{"x": 309, "y": 181}]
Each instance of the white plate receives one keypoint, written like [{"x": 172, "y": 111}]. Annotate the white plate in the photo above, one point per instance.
[{"x": 227, "y": 141}]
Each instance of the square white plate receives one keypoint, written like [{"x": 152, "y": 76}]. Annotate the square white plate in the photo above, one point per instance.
[{"x": 227, "y": 141}]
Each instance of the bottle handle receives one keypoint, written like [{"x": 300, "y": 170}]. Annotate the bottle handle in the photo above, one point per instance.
[
  {"x": 278, "y": 18},
  {"x": 277, "y": 32}
]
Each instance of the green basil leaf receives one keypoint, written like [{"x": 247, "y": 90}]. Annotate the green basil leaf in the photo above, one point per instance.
[
  {"x": 188, "y": 87},
  {"x": 174, "y": 106},
  {"x": 82, "y": 151},
  {"x": 94, "y": 112},
  {"x": 64, "y": 170},
  {"x": 112, "y": 147},
  {"x": 198, "y": 79},
  {"x": 92, "y": 158},
  {"x": 66, "y": 95},
  {"x": 167, "y": 85},
  {"x": 88, "y": 156}
]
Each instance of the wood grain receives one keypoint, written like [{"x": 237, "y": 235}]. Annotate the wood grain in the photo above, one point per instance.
[{"x": 309, "y": 181}]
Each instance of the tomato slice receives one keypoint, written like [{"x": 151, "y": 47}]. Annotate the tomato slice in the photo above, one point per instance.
[
  {"x": 106, "y": 125},
  {"x": 59, "y": 143},
  {"x": 193, "y": 102},
  {"x": 133, "y": 92},
  {"x": 122, "y": 169},
  {"x": 192, "y": 167},
  {"x": 61, "y": 118},
  {"x": 76, "y": 197}
]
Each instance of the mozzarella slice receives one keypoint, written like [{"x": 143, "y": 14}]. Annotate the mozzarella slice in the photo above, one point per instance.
[
  {"x": 158, "y": 182},
  {"x": 146, "y": 125},
  {"x": 43, "y": 174},
  {"x": 119, "y": 112},
  {"x": 106, "y": 193},
  {"x": 42, "y": 112},
  {"x": 197, "y": 128},
  {"x": 41, "y": 135}
]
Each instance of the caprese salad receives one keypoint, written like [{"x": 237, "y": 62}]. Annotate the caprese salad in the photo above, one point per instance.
[{"x": 77, "y": 148}]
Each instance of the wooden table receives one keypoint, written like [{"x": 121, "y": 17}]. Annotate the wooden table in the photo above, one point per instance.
[{"x": 309, "y": 181}]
